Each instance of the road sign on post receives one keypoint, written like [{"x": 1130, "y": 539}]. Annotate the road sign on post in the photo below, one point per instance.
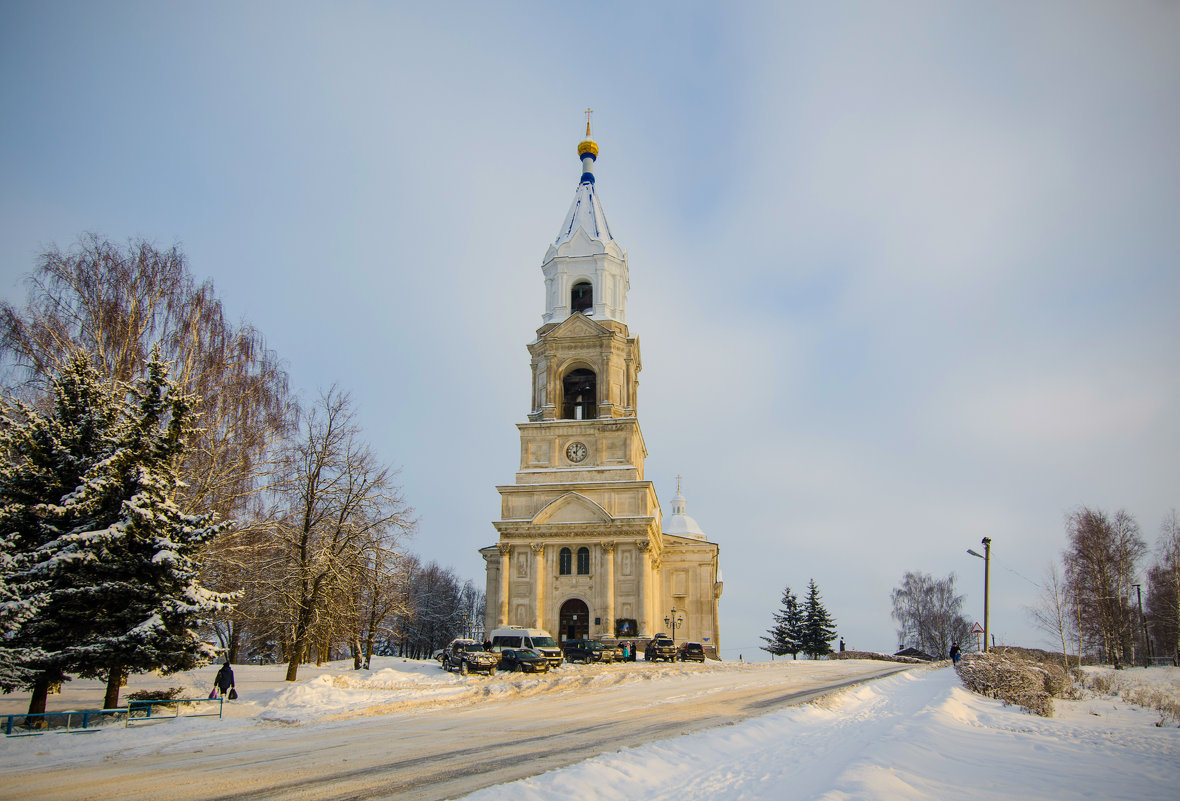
[{"x": 977, "y": 630}]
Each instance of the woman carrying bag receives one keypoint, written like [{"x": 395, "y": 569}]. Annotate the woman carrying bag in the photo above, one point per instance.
[{"x": 224, "y": 683}]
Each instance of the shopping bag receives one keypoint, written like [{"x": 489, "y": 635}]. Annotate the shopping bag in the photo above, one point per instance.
[
  {"x": 233, "y": 694},
  {"x": 213, "y": 694}
]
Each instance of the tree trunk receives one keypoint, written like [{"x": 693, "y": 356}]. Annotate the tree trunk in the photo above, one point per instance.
[
  {"x": 45, "y": 679},
  {"x": 297, "y": 646},
  {"x": 235, "y": 643},
  {"x": 355, "y": 645},
  {"x": 369, "y": 642},
  {"x": 114, "y": 682},
  {"x": 293, "y": 664}
]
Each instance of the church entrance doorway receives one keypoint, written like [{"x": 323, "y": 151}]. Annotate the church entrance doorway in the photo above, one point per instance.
[{"x": 574, "y": 620}]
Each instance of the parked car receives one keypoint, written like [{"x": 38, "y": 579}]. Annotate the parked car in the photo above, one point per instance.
[
  {"x": 690, "y": 652},
  {"x": 586, "y": 651},
  {"x": 536, "y": 639},
  {"x": 660, "y": 647},
  {"x": 468, "y": 656},
  {"x": 523, "y": 660}
]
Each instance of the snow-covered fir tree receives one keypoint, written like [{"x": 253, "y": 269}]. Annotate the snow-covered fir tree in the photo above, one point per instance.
[
  {"x": 819, "y": 629},
  {"x": 146, "y": 583},
  {"x": 786, "y": 635},
  {"x": 113, "y": 553},
  {"x": 46, "y": 456}
]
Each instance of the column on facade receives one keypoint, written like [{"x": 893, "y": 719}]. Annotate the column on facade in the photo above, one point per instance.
[
  {"x": 644, "y": 580},
  {"x": 505, "y": 565},
  {"x": 608, "y": 551},
  {"x": 539, "y": 584}
]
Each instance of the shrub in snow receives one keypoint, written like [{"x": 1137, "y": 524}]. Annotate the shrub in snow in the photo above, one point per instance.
[
  {"x": 1155, "y": 698},
  {"x": 1008, "y": 679},
  {"x": 1058, "y": 683}
]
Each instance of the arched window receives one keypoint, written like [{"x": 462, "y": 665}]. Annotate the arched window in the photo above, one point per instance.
[
  {"x": 582, "y": 297},
  {"x": 583, "y": 561},
  {"x": 564, "y": 557},
  {"x": 580, "y": 392}
]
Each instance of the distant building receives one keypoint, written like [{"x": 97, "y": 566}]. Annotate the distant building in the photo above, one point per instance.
[{"x": 584, "y": 550}]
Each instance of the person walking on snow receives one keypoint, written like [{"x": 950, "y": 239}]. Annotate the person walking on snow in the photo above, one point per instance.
[
  {"x": 224, "y": 682},
  {"x": 955, "y": 653}
]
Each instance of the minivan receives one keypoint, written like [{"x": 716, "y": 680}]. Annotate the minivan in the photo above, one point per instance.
[{"x": 537, "y": 639}]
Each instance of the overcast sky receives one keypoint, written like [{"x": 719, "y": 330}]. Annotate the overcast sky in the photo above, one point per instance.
[{"x": 904, "y": 275}]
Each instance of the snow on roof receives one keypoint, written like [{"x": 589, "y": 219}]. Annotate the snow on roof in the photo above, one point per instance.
[{"x": 679, "y": 523}]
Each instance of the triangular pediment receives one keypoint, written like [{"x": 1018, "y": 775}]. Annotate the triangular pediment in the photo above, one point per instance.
[
  {"x": 578, "y": 325},
  {"x": 571, "y": 508}
]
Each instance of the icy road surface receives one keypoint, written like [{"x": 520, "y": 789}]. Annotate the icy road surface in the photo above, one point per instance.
[{"x": 401, "y": 731}]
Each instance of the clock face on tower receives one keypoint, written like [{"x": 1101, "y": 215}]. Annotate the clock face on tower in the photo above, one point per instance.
[{"x": 575, "y": 452}]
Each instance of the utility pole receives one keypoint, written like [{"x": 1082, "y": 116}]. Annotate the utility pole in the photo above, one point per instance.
[
  {"x": 987, "y": 567},
  {"x": 1147, "y": 654},
  {"x": 986, "y": 556}
]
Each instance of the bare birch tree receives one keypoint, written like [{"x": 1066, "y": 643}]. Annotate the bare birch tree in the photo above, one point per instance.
[
  {"x": 1163, "y": 591},
  {"x": 929, "y": 614},
  {"x": 1053, "y": 613},
  {"x": 1100, "y": 565},
  {"x": 338, "y": 502},
  {"x": 117, "y": 305}
]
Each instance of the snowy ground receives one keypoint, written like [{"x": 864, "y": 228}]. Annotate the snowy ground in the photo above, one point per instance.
[{"x": 915, "y": 735}]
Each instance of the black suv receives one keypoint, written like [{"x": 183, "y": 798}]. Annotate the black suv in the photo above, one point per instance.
[
  {"x": 690, "y": 652},
  {"x": 660, "y": 647},
  {"x": 468, "y": 656},
  {"x": 587, "y": 651}
]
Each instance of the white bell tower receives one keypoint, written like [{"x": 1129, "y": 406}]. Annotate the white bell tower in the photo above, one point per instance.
[{"x": 585, "y": 269}]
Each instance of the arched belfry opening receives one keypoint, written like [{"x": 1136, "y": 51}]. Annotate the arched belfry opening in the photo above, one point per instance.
[
  {"x": 582, "y": 297},
  {"x": 579, "y": 391}
]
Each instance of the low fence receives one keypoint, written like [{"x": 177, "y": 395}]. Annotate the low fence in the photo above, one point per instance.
[{"x": 93, "y": 719}]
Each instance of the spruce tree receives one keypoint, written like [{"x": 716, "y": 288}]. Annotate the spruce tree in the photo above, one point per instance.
[
  {"x": 785, "y": 636},
  {"x": 46, "y": 456},
  {"x": 819, "y": 629},
  {"x": 98, "y": 554},
  {"x": 146, "y": 584}
]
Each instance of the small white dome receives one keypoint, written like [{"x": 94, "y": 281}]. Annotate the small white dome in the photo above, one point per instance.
[{"x": 679, "y": 523}]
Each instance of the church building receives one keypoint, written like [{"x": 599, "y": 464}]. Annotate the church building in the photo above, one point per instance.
[{"x": 584, "y": 549}]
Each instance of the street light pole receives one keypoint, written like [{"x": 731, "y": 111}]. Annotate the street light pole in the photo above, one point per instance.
[
  {"x": 986, "y": 556},
  {"x": 672, "y": 620}
]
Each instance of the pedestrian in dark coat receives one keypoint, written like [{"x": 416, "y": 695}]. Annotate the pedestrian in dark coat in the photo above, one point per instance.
[
  {"x": 956, "y": 654},
  {"x": 225, "y": 680}
]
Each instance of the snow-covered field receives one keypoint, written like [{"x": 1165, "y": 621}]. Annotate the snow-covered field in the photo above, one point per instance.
[{"x": 914, "y": 735}]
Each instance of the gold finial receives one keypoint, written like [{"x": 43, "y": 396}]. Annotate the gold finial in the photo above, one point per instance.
[
  {"x": 678, "y": 484},
  {"x": 588, "y": 147}
]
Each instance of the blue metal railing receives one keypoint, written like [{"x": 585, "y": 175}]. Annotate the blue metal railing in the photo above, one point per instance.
[{"x": 91, "y": 719}]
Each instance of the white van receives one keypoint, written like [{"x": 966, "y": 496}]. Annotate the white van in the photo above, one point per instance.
[{"x": 537, "y": 639}]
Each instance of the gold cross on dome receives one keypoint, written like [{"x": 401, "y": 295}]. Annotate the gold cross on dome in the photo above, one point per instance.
[
  {"x": 588, "y": 112},
  {"x": 678, "y": 484}
]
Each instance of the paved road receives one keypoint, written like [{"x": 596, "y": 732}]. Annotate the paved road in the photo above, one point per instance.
[{"x": 442, "y": 752}]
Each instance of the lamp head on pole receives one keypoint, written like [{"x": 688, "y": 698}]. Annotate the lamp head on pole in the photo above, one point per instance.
[{"x": 973, "y": 553}]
